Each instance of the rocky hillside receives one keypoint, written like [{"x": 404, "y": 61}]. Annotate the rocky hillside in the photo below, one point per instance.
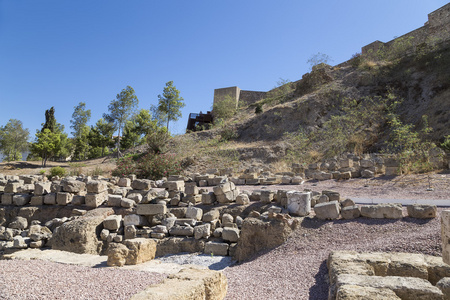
[{"x": 341, "y": 108}]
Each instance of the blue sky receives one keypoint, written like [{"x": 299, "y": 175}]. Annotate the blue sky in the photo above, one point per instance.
[{"x": 62, "y": 52}]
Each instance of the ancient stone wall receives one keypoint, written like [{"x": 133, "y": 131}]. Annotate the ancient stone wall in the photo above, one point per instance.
[
  {"x": 220, "y": 94},
  {"x": 437, "y": 28},
  {"x": 250, "y": 97}
]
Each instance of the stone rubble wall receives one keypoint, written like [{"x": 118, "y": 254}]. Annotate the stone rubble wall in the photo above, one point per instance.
[{"x": 133, "y": 220}]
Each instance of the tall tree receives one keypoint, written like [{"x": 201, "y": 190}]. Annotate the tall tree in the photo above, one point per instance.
[
  {"x": 121, "y": 109},
  {"x": 170, "y": 103},
  {"x": 80, "y": 117},
  {"x": 100, "y": 137},
  {"x": 13, "y": 140},
  {"x": 137, "y": 128},
  {"x": 50, "y": 121}
]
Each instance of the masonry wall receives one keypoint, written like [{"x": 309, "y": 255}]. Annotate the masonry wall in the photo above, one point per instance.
[
  {"x": 250, "y": 97},
  {"x": 220, "y": 94}
]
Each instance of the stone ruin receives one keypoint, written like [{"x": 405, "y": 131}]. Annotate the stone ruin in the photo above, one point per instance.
[{"x": 135, "y": 220}]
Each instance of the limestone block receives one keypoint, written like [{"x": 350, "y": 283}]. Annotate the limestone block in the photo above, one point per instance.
[
  {"x": 345, "y": 175},
  {"x": 299, "y": 203},
  {"x": 141, "y": 184},
  {"x": 215, "y": 248},
  {"x": 350, "y": 292},
  {"x": 332, "y": 195},
  {"x": 37, "y": 200},
  {"x": 175, "y": 185},
  {"x": 133, "y": 219},
  {"x": 267, "y": 196},
  {"x": 194, "y": 213},
  {"x": 94, "y": 199},
  {"x": 347, "y": 202},
  {"x": 129, "y": 232},
  {"x": 131, "y": 252},
  {"x": 350, "y": 212},
  {"x": 114, "y": 200},
  {"x": 73, "y": 186},
  {"x": 21, "y": 199},
  {"x": 224, "y": 188},
  {"x": 327, "y": 210},
  {"x": 7, "y": 198},
  {"x": 12, "y": 187},
  {"x": 191, "y": 188},
  {"x": 42, "y": 188},
  {"x": 422, "y": 211},
  {"x": 112, "y": 222},
  {"x": 382, "y": 211},
  {"x": 20, "y": 242},
  {"x": 124, "y": 182},
  {"x": 230, "y": 234},
  {"x": 64, "y": 198},
  {"x": 323, "y": 199},
  {"x": 211, "y": 215},
  {"x": 227, "y": 218},
  {"x": 444, "y": 286},
  {"x": 367, "y": 173},
  {"x": 127, "y": 203},
  {"x": 202, "y": 231},
  {"x": 194, "y": 199},
  {"x": 136, "y": 197},
  {"x": 181, "y": 230},
  {"x": 169, "y": 222},
  {"x": 50, "y": 199},
  {"x": 151, "y": 209},
  {"x": 104, "y": 234},
  {"x": 20, "y": 223},
  {"x": 445, "y": 235},
  {"x": 78, "y": 200},
  {"x": 242, "y": 199},
  {"x": 227, "y": 197},
  {"x": 346, "y": 163},
  {"x": 366, "y": 163},
  {"x": 96, "y": 187}
]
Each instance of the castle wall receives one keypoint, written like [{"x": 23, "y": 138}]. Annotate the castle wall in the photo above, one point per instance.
[
  {"x": 250, "y": 97},
  {"x": 220, "y": 94}
]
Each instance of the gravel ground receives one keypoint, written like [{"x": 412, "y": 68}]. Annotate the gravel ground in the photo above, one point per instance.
[
  {"x": 297, "y": 269},
  {"x": 212, "y": 262},
  {"x": 39, "y": 279}
]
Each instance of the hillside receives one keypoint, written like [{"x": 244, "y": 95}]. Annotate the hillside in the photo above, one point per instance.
[{"x": 332, "y": 110}]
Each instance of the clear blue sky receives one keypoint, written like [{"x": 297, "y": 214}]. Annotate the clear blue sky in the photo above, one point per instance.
[{"x": 61, "y": 52}]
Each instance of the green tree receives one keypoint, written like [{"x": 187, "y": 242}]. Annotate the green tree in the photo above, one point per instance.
[
  {"x": 121, "y": 109},
  {"x": 13, "y": 140},
  {"x": 169, "y": 105},
  {"x": 137, "y": 129},
  {"x": 47, "y": 145},
  {"x": 50, "y": 121},
  {"x": 100, "y": 137},
  {"x": 80, "y": 117}
]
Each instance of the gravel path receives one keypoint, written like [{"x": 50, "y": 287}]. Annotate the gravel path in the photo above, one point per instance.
[
  {"x": 297, "y": 269},
  {"x": 39, "y": 279}
]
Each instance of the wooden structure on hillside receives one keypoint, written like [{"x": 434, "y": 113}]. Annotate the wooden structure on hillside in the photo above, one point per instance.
[{"x": 197, "y": 122}]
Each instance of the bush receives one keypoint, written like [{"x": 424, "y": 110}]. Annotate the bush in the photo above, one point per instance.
[
  {"x": 258, "y": 108},
  {"x": 157, "y": 140},
  {"x": 124, "y": 166},
  {"x": 58, "y": 171},
  {"x": 446, "y": 144}
]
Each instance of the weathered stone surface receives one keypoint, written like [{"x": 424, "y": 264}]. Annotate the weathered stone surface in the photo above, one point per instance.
[
  {"x": 151, "y": 209},
  {"x": 114, "y": 200},
  {"x": 112, "y": 222},
  {"x": 444, "y": 286},
  {"x": 182, "y": 230},
  {"x": 191, "y": 188},
  {"x": 208, "y": 198},
  {"x": 63, "y": 198},
  {"x": 131, "y": 252},
  {"x": 445, "y": 235},
  {"x": 127, "y": 203},
  {"x": 230, "y": 234},
  {"x": 213, "y": 214},
  {"x": 19, "y": 223},
  {"x": 422, "y": 211},
  {"x": 367, "y": 173},
  {"x": 327, "y": 210},
  {"x": 437, "y": 269},
  {"x": 133, "y": 219},
  {"x": 94, "y": 199},
  {"x": 42, "y": 188},
  {"x": 242, "y": 199},
  {"x": 202, "y": 231},
  {"x": 129, "y": 232},
  {"x": 178, "y": 244},
  {"x": 124, "y": 182},
  {"x": 141, "y": 184},
  {"x": 215, "y": 248},
  {"x": 50, "y": 199},
  {"x": 7, "y": 198},
  {"x": 176, "y": 185},
  {"x": 21, "y": 199},
  {"x": 382, "y": 211},
  {"x": 354, "y": 292},
  {"x": 96, "y": 186},
  {"x": 407, "y": 288},
  {"x": 350, "y": 212},
  {"x": 267, "y": 196},
  {"x": 194, "y": 213},
  {"x": 73, "y": 186},
  {"x": 37, "y": 200},
  {"x": 347, "y": 202},
  {"x": 257, "y": 235},
  {"x": 80, "y": 235},
  {"x": 188, "y": 284},
  {"x": 299, "y": 203}
]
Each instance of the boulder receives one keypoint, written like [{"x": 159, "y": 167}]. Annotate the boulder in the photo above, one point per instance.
[
  {"x": 211, "y": 215},
  {"x": 422, "y": 211},
  {"x": 194, "y": 213},
  {"x": 202, "y": 231},
  {"x": 299, "y": 203},
  {"x": 230, "y": 234},
  {"x": 80, "y": 235},
  {"x": 444, "y": 286},
  {"x": 19, "y": 223},
  {"x": 242, "y": 199}
]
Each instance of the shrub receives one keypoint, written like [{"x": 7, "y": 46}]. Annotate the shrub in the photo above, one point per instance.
[
  {"x": 446, "y": 144},
  {"x": 125, "y": 166},
  {"x": 258, "y": 108},
  {"x": 228, "y": 133},
  {"x": 158, "y": 166},
  {"x": 157, "y": 140},
  {"x": 58, "y": 171}
]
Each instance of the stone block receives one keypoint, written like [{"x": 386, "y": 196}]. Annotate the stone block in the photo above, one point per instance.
[
  {"x": 12, "y": 187},
  {"x": 63, "y": 198},
  {"x": 242, "y": 199},
  {"x": 129, "y": 232},
  {"x": 382, "y": 211},
  {"x": 328, "y": 210},
  {"x": 224, "y": 188},
  {"x": 7, "y": 198},
  {"x": 127, "y": 203},
  {"x": 151, "y": 209},
  {"x": 392, "y": 171},
  {"x": 141, "y": 184},
  {"x": 37, "y": 200},
  {"x": 21, "y": 199},
  {"x": 213, "y": 214},
  {"x": 332, "y": 195},
  {"x": 124, "y": 182},
  {"x": 175, "y": 185},
  {"x": 133, "y": 219},
  {"x": 73, "y": 186},
  {"x": 445, "y": 235},
  {"x": 346, "y": 163},
  {"x": 366, "y": 173},
  {"x": 266, "y": 196},
  {"x": 95, "y": 200},
  {"x": 230, "y": 234},
  {"x": 112, "y": 222},
  {"x": 366, "y": 163},
  {"x": 299, "y": 203},
  {"x": 202, "y": 231},
  {"x": 78, "y": 200},
  {"x": 50, "y": 199},
  {"x": 114, "y": 200},
  {"x": 350, "y": 212},
  {"x": 42, "y": 188},
  {"x": 131, "y": 252},
  {"x": 96, "y": 187},
  {"x": 179, "y": 230},
  {"x": 191, "y": 188},
  {"x": 194, "y": 213},
  {"x": 422, "y": 211},
  {"x": 214, "y": 248}
]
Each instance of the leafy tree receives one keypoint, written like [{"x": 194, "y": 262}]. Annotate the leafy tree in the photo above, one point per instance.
[
  {"x": 169, "y": 104},
  {"x": 13, "y": 140},
  {"x": 224, "y": 109},
  {"x": 47, "y": 144},
  {"x": 136, "y": 129},
  {"x": 120, "y": 110},
  {"x": 50, "y": 121},
  {"x": 80, "y": 117},
  {"x": 100, "y": 137}
]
